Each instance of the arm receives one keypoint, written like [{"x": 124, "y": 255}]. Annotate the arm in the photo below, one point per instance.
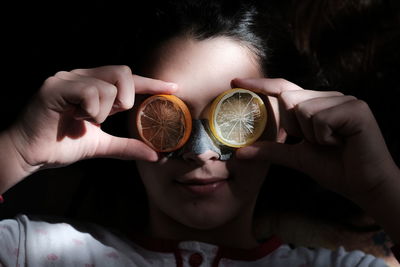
[
  {"x": 13, "y": 168},
  {"x": 61, "y": 125},
  {"x": 342, "y": 148},
  {"x": 383, "y": 204}
]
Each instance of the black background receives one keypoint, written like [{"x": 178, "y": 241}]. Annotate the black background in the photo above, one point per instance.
[
  {"x": 37, "y": 41},
  {"x": 40, "y": 39}
]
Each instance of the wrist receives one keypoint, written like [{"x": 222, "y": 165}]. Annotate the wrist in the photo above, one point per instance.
[
  {"x": 383, "y": 203},
  {"x": 384, "y": 192},
  {"x": 13, "y": 166}
]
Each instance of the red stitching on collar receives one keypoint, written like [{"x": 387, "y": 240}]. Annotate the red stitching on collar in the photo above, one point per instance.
[
  {"x": 172, "y": 246},
  {"x": 251, "y": 254}
]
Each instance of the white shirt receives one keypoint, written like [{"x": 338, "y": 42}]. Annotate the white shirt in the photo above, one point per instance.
[{"x": 26, "y": 242}]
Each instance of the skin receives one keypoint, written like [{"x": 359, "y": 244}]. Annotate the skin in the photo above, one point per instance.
[
  {"x": 203, "y": 70},
  {"x": 61, "y": 124},
  {"x": 342, "y": 148}
]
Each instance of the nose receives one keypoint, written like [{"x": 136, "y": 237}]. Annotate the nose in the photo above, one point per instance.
[
  {"x": 201, "y": 147},
  {"x": 200, "y": 158}
]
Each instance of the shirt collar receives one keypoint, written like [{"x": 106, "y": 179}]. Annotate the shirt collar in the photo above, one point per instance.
[{"x": 172, "y": 246}]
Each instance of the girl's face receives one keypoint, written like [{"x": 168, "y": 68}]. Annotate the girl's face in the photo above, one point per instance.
[{"x": 202, "y": 70}]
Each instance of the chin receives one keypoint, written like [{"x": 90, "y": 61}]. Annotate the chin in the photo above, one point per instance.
[{"x": 205, "y": 219}]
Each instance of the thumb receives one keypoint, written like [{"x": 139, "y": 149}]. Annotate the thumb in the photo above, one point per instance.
[
  {"x": 277, "y": 153},
  {"x": 124, "y": 148}
]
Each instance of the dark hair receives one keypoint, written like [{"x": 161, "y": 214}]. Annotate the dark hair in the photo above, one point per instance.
[
  {"x": 201, "y": 20},
  {"x": 344, "y": 40},
  {"x": 350, "y": 46},
  {"x": 353, "y": 46}
]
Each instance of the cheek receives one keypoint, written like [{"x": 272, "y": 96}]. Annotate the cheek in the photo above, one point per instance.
[
  {"x": 151, "y": 178},
  {"x": 249, "y": 176},
  {"x": 157, "y": 179}
]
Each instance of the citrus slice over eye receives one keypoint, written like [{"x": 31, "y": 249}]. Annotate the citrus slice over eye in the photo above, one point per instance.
[
  {"x": 164, "y": 122},
  {"x": 237, "y": 117}
]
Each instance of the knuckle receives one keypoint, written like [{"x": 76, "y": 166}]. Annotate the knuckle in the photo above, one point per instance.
[
  {"x": 89, "y": 92},
  {"x": 111, "y": 91},
  {"x": 48, "y": 85},
  {"x": 281, "y": 81},
  {"x": 285, "y": 95},
  {"x": 50, "y": 81},
  {"x": 77, "y": 71},
  {"x": 350, "y": 97},
  {"x": 119, "y": 71},
  {"x": 124, "y": 69},
  {"x": 318, "y": 119},
  {"x": 361, "y": 104},
  {"x": 303, "y": 110},
  {"x": 61, "y": 74},
  {"x": 288, "y": 99}
]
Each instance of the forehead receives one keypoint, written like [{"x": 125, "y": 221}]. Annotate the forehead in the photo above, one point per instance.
[{"x": 203, "y": 69}]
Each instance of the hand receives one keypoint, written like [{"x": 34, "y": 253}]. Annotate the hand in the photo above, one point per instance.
[
  {"x": 62, "y": 123},
  {"x": 342, "y": 148}
]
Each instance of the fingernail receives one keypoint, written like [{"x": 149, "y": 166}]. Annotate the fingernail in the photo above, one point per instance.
[
  {"x": 154, "y": 157},
  {"x": 173, "y": 86}
]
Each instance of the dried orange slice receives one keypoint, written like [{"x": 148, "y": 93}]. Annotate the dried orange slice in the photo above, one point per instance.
[
  {"x": 237, "y": 117},
  {"x": 164, "y": 122}
]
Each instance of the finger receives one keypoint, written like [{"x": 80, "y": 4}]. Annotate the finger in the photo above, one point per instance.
[
  {"x": 122, "y": 77},
  {"x": 340, "y": 122},
  {"x": 60, "y": 94},
  {"x": 107, "y": 92},
  {"x": 124, "y": 148},
  {"x": 119, "y": 76},
  {"x": 145, "y": 85},
  {"x": 288, "y": 94},
  {"x": 305, "y": 111},
  {"x": 288, "y": 100},
  {"x": 272, "y": 87}
]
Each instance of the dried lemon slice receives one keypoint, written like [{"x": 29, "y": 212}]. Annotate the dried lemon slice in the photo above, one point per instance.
[
  {"x": 237, "y": 117},
  {"x": 164, "y": 122}
]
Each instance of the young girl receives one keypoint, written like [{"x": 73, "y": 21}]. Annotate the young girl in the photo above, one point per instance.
[{"x": 342, "y": 149}]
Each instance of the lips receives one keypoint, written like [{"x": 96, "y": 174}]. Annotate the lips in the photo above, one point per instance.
[
  {"x": 199, "y": 181},
  {"x": 202, "y": 186}
]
